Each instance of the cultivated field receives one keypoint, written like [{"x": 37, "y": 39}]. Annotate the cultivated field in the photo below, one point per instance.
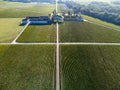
[
  {"x": 100, "y": 22},
  {"x": 18, "y": 10},
  {"x": 33, "y": 67},
  {"x": 87, "y": 32},
  {"x": 27, "y": 67},
  {"x": 9, "y": 29},
  {"x": 34, "y": 34},
  {"x": 86, "y": 67}
]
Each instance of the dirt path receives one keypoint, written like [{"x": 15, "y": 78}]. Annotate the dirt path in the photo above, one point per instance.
[{"x": 14, "y": 41}]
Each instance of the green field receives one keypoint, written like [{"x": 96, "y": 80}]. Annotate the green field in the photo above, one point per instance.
[
  {"x": 9, "y": 29},
  {"x": 31, "y": 70},
  {"x": 85, "y": 67},
  {"x": 100, "y": 21},
  {"x": 32, "y": 67},
  {"x": 11, "y": 14},
  {"x": 34, "y": 34},
  {"x": 87, "y": 32},
  {"x": 18, "y": 10}
]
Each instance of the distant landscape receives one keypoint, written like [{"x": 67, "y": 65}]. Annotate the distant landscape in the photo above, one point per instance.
[
  {"x": 108, "y": 12},
  {"x": 29, "y": 0}
]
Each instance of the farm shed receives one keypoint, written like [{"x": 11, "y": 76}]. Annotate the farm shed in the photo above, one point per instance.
[
  {"x": 42, "y": 20},
  {"x": 73, "y": 18}
]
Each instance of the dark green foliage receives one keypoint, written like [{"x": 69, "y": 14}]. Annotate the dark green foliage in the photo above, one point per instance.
[
  {"x": 100, "y": 10},
  {"x": 116, "y": 2},
  {"x": 31, "y": 0}
]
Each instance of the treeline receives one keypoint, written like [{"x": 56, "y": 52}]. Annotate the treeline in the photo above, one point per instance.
[
  {"x": 116, "y": 2},
  {"x": 30, "y": 0},
  {"x": 100, "y": 10}
]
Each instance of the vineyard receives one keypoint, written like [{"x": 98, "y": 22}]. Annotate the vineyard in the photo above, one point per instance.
[
  {"x": 89, "y": 67},
  {"x": 73, "y": 55},
  {"x": 87, "y": 32},
  {"x": 27, "y": 67},
  {"x": 35, "y": 34}
]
